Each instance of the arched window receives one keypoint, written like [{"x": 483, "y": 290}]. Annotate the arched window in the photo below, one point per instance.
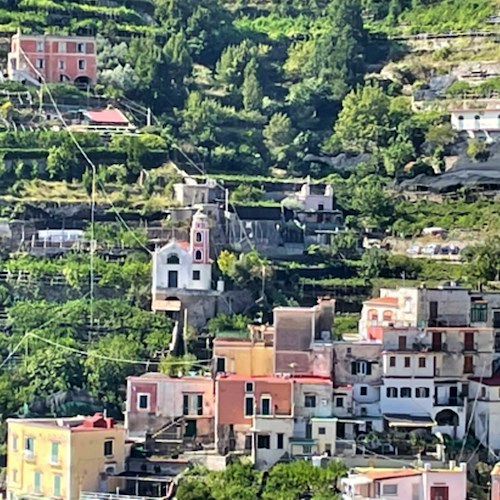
[
  {"x": 373, "y": 315},
  {"x": 405, "y": 392},
  {"x": 198, "y": 237},
  {"x": 173, "y": 258},
  {"x": 460, "y": 122},
  {"x": 392, "y": 392},
  {"x": 422, "y": 392},
  {"x": 198, "y": 255},
  {"x": 477, "y": 122},
  {"x": 387, "y": 316}
]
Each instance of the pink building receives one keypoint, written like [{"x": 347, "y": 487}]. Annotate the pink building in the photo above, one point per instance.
[
  {"x": 58, "y": 59},
  {"x": 402, "y": 484},
  {"x": 170, "y": 408},
  {"x": 239, "y": 399}
]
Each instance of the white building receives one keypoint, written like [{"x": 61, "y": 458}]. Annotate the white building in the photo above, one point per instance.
[
  {"x": 484, "y": 407},
  {"x": 485, "y": 118},
  {"x": 190, "y": 193},
  {"x": 186, "y": 266}
]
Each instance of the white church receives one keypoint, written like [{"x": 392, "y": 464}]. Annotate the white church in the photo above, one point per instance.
[{"x": 181, "y": 268}]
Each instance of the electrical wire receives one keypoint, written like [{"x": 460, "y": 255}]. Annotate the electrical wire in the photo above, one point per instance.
[
  {"x": 110, "y": 358},
  {"x": 85, "y": 155},
  {"x": 7, "y": 359},
  {"x": 471, "y": 418}
]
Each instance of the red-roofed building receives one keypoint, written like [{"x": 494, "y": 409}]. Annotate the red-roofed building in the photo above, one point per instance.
[
  {"x": 103, "y": 117},
  {"x": 366, "y": 483}
]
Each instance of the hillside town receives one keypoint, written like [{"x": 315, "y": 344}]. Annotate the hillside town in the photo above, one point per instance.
[{"x": 250, "y": 251}]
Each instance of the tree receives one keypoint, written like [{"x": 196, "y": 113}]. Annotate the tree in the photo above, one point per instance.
[
  {"x": 247, "y": 193},
  {"x": 61, "y": 162},
  {"x": 173, "y": 365},
  {"x": 338, "y": 57},
  {"x": 477, "y": 150},
  {"x": 226, "y": 262},
  {"x": 251, "y": 91},
  {"x": 300, "y": 478},
  {"x": 364, "y": 124},
  {"x": 373, "y": 262},
  {"x": 278, "y": 137},
  {"x": 483, "y": 262}
]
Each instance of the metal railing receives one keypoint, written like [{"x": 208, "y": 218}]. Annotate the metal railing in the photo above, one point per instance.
[{"x": 89, "y": 495}]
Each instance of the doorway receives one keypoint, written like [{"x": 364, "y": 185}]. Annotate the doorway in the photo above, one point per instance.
[{"x": 173, "y": 279}]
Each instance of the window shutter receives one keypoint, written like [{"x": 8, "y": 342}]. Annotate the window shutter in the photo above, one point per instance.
[
  {"x": 368, "y": 368},
  {"x": 353, "y": 367}
]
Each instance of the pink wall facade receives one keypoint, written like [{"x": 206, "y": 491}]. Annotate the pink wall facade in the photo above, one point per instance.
[{"x": 57, "y": 59}]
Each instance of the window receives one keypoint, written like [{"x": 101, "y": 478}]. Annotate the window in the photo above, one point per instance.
[
  {"x": 14, "y": 443},
  {"x": 402, "y": 342},
  {"x": 39, "y": 63},
  {"x": 173, "y": 258},
  {"x": 339, "y": 402},
  {"x": 263, "y": 442},
  {"x": 479, "y": 312},
  {"x": 196, "y": 275},
  {"x": 460, "y": 122},
  {"x": 54, "y": 453},
  {"x": 143, "y": 402},
  {"x": 477, "y": 122},
  {"x": 306, "y": 449},
  {"x": 392, "y": 361},
  {"x": 108, "y": 448},
  {"x": 465, "y": 390},
  {"x": 221, "y": 365},
  {"x": 249, "y": 403},
  {"x": 14, "y": 476},
  {"x": 363, "y": 390},
  {"x": 198, "y": 255},
  {"x": 389, "y": 489},
  {"x": 422, "y": 392},
  {"x": 387, "y": 315},
  {"x": 407, "y": 305},
  {"x": 280, "y": 440},
  {"x": 392, "y": 392},
  {"x": 361, "y": 368},
  {"x": 407, "y": 361},
  {"x": 185, "y": 404},
  {"x": 405, "y": 392},
  {"x": 80, "y": 48},
  {"x": 81, "y": 64},
  {"x": 421, "y": 362},
  {"x": 37, "y": 480},
  {"x": 468, "y": 364},
  {"x": 321, "y": 431},
  {"x": 29, "y": 444},
  {"x": 61, "y": 47},
  {"x": 57, "y": 485},
  {"x": 199, "y": 404},
  {"x": 483, "y": 392},
  {"x": 198, "y": 237},
  {"x": 310, "y": 401},
  {"x": 265, "y": 405},
  {"x": 40, "y": 46},
  {"x": 248, "y": 386},
  {"x": 61, "y": 65}
]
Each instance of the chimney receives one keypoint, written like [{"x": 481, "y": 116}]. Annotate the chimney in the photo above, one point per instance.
[
  {"x": 463, "y": 466},
  {"x": 427, "y": 466},
  {"x": 453, "y": 464}
]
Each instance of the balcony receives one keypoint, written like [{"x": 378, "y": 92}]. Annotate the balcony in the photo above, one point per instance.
[
  {"x": 449, "y": 401},
  {"x": 470, "y": 347},
  {"x": 29, "y": 455},
  {"x": 448, "y": 320}
]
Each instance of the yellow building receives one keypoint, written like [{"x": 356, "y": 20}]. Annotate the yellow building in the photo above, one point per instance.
[
  {"x": 59, "y": 458},
  {"x": 250, "y": 354}
]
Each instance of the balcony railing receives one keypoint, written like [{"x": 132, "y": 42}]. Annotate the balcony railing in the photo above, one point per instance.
[
  {"x": 89, "y": 495},
  {"x": 29, "y": 454},
  {"x": 453, "y": 401}
]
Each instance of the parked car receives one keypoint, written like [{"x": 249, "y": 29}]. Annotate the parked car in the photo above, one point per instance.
[
  {"x": 414, "y": 250},
  {"x": 454, "y": 250},
  {"x": 431, "y": 249},
  {"x": 445, "y": 250}
]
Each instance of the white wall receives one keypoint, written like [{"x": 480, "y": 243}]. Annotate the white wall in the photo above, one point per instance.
[
  {"x": 329, "y": 437},
  {"x": 272, "y": 426},
  {"x": 411, "y": 405},
  {"x": 488, "y": 120},
  {"x": 413, "y": 370}
]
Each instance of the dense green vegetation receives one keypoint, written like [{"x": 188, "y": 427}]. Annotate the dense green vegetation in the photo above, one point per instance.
[{"x": 290, "y": 481}]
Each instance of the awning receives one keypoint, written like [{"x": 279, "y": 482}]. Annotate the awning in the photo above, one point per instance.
[
  {"x": 402, "y": 420},
  {"x": 351, "y": 421}
]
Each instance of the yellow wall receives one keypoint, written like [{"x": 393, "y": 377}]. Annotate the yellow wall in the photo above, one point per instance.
[
  {"x": 88, "y": 460},
  {"x": 81, "y": 457},
  {"x": 246, "y": 357}
]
